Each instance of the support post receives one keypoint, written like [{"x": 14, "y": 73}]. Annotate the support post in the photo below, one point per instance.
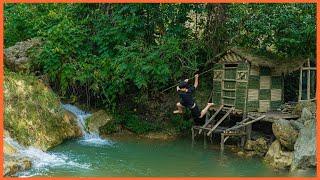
[
  {"x": 243, "y": 139},
  {"x": 222, "y": 142},
  {"x": 204, "y": 140},
  {"x": 192, "y": 131},
  {"x": 248, "y": 131}
]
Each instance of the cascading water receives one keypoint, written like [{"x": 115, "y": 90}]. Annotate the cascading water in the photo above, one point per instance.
[
  {"x": 42, "y": 161},
  {"x": 88, "y": 138}
]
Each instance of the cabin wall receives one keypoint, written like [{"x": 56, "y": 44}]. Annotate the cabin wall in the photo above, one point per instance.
[
  {"x": 246, "y": 87},
  {"x": 264, "y": 90}
]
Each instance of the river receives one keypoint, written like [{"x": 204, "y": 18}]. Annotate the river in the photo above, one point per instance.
[{"x": 92, "y": 156}]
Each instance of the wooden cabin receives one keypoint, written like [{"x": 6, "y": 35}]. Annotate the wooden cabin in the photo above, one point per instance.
[
  {"x": 248, "y": 82},
  {"x": 252, "y": 86}
]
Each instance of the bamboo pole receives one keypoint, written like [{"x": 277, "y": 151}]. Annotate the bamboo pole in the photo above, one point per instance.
[
  {"x": 300, "y": 85},
  {"x": 308, "y": 85},
  {"x": 246, "y": 123}
]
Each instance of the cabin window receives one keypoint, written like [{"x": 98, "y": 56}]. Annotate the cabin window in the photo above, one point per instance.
[
  {"x": 231, "y": 65},
  {"x": 307, "y": 85}
]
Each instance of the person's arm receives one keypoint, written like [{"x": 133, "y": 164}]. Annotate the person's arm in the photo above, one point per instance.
[{"x": 196, "y": 80}]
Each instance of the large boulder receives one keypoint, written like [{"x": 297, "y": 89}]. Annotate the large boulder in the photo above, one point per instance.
[
  {"x": 19, "y": 57},
  {"x": 98, "y": 119},
  {"x": 33, "y": 113},
  {"x": 304, "y": 155},
  {"x": 278, "y": 158},
  {"x": 285, "y": 133}
]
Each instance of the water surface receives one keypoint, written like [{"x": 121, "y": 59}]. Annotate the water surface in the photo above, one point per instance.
[
  {"x": 93, "y": 156},
  {"x": 133, "y": 156}
]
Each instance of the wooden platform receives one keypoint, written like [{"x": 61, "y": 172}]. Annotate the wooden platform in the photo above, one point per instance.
[
  {"x": 218, "y": 130},
  {"x": 242, "y": 129},
  {"x": 272, "y": 116}
]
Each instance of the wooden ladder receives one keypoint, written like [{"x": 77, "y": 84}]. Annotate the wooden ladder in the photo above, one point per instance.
[
  {"x": 220, "y": 121},
  {"x": 211, "y": 119}
]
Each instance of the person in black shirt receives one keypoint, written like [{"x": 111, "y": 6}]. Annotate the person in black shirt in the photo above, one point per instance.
[{"x": 187, "y": 101}]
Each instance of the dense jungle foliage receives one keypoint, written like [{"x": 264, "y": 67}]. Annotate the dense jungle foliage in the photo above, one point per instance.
[{"x": 104, "y": 54}]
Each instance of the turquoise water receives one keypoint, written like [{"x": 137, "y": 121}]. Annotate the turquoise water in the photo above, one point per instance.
[{"x": 133, "y": 156}]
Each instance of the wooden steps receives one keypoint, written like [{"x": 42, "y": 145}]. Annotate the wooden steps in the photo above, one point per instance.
[{"x": 212, "y": 126}]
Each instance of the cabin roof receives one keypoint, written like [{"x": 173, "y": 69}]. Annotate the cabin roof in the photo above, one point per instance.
[{"x": 279, "y": 65}]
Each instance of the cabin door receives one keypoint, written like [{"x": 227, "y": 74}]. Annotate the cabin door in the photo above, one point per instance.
[{"x": 229, "y": 85}]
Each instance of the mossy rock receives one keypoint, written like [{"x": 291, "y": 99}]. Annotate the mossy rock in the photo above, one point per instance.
[
  {"x": 19, "y": 57},
  {"x": 112, "y": 128},
  {"x": 99, "y": 119},
  {"x": 33, "y": 113}
]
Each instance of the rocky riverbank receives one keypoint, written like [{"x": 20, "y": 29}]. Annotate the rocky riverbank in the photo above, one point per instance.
[{"x": 294, "y": 146}]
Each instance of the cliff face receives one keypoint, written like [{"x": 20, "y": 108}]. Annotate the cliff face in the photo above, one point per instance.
[{"x": 33, "y": 113}]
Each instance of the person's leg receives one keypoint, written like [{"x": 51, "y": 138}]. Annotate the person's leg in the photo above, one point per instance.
[
  {"x": 180, "y": 108},
  {"x": 205, "y": 110}
]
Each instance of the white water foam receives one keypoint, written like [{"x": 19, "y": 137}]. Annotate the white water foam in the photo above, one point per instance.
[
  {"x": 90, "y": 139},
  {"x": 42, "y": 161}
]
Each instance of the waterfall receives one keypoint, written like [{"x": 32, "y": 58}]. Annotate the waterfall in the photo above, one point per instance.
[
  {"x": 88, "y": 138},
  {"x": 42, "y": 161}
]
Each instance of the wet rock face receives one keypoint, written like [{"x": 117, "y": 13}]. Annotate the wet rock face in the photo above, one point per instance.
[
  {"x": 8, "y": 149},
  {"x": 13, "y": 161},
  {"x": 98, "y": 119},
  {"x": 277, "y": 157},
  {"x": 17, "y": 57},
  {"x": 14, "y": 164},
  {"x": 259, "y": 146},
  {"x": 33, "y": 113},
  {"x": 285, "y": 133},
  {"x": 304, "y": 155}
]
